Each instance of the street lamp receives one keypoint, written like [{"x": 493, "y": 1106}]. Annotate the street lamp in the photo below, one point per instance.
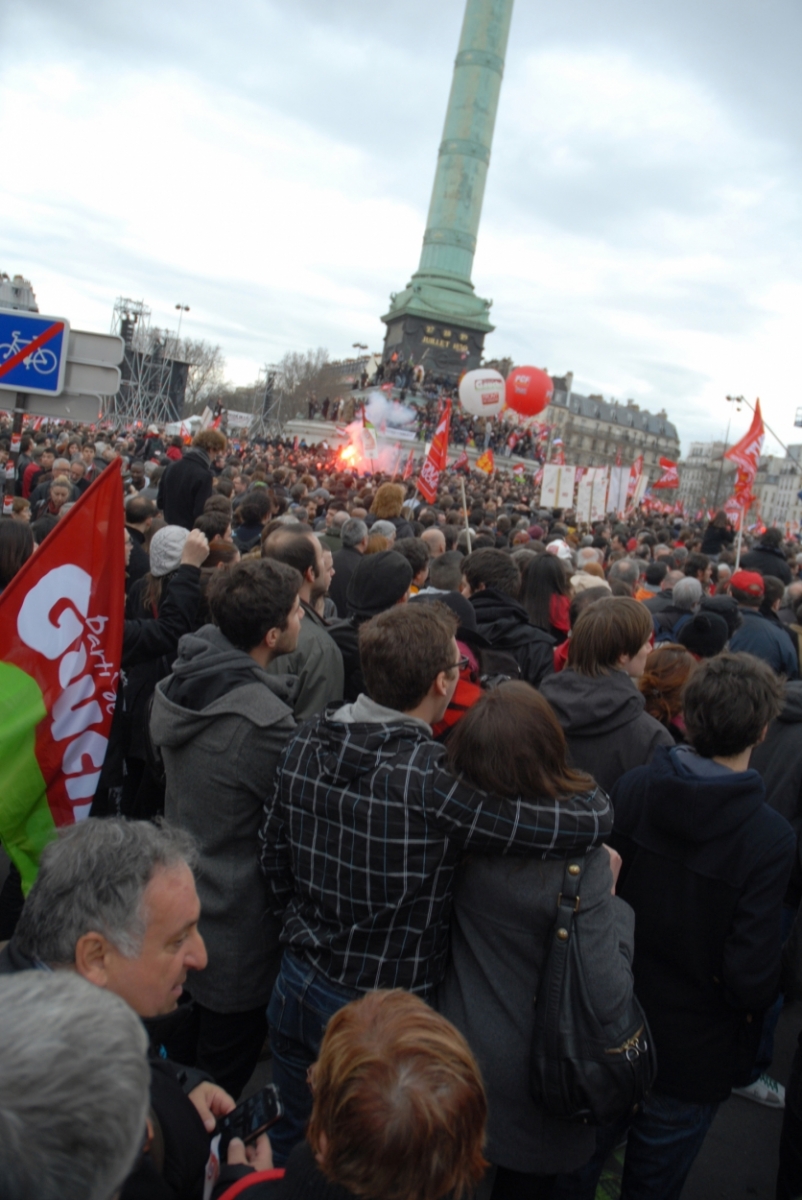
[
  {"x": 181, "y": 309},
  {"x": 359, "y": 345}
]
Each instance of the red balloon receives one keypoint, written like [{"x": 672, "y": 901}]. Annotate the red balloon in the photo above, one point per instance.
[{"x": 529, "y": 390}]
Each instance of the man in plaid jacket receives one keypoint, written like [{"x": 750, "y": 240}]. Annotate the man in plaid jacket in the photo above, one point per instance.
[{"x": 362, "y": 836}]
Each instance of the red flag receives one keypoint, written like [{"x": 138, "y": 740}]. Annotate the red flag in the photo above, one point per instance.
[
  {"x": 486, "y": 462},
  {"x": 670, "y": 476},
  {"x": 635, "y": 472},
  {"x": 61, "y": 628},
  {"x": 462, "y": 463},
  {"x": 618, "y": 457},
  {"x": 746, "y": 453},
  {"x": 409, "y": 466},
  {"x": 437, "y": 458}
]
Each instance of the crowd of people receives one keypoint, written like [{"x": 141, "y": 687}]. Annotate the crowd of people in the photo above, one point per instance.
[{"x": 359, "y": 741}]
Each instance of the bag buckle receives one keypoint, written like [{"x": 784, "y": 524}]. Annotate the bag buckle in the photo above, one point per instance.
[{"x": 577, "y": 902}]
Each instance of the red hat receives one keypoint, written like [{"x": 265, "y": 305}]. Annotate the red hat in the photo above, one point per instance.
[{"x": 749, "y": 582}]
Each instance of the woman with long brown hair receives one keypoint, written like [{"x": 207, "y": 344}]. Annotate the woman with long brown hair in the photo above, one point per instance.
[
  {"x": 662, "y": 685},
  {"x": 511, "y": 744}
]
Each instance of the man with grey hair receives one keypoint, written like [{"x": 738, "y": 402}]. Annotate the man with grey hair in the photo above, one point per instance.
[
  {"x": 115, "y": 902},
  {"x": 665, "y": 596},
  {"x": 384, "y": 529},
  {"x": 686, "y": 594},
  {"x": 41, "y": 493},
  {"x": 354, "y": 537},
  {"x": 74, "y": 1088}
]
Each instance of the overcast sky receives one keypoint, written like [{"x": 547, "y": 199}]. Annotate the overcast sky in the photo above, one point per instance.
[{"x": 269, "y": 163}]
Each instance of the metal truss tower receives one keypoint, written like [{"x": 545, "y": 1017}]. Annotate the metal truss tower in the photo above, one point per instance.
[
  {"x": 267, "y": 422},
  {"x": 154, "y": 380}
]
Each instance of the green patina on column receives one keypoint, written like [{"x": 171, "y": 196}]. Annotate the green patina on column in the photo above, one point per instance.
[{"x": 441, "y": 290}]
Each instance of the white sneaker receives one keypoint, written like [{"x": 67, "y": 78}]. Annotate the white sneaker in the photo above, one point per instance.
[{"x": 764, "y": 1090}]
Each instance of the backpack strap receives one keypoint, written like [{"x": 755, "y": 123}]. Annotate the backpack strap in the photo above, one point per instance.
[{"x": 247, "y": 1181}]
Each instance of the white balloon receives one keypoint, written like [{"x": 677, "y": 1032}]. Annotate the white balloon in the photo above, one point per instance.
[{"x": 482, "y": 392}]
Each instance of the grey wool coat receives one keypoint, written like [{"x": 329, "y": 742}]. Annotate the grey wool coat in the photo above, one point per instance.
[
  {"x": 504, "y": 912},
  {"x": 221, "y": 723}
]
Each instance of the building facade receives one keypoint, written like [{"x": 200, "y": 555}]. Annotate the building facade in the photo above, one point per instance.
[
  {"x": 597, "y": 432},
  {"x": 706, "y": 477},
  {"x": 776, "y": 488}
]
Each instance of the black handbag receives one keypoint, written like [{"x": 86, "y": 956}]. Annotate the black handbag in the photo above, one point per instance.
[{"x": 582, "y": 1068}]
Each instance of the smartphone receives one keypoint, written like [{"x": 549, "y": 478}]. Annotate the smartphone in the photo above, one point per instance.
[{"x": 252, "y": 1117}]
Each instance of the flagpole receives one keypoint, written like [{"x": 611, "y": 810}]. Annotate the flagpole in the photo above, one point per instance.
[
  {"x": 740, "y": 538},
  {"x": 465, "y": 510}
]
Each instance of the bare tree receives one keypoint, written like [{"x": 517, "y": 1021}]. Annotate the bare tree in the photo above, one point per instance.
[{"x": 206, "y": 375}]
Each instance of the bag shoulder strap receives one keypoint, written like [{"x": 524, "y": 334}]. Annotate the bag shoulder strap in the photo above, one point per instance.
[{"x": 568, "y": 903}]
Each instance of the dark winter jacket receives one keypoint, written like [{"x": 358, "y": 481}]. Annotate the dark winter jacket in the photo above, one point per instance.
[
  {"x": 715, "y": 540},
  {"x": 779, "y": 761},
  {"x": 139, "y": 562},
  {"x": 660, "y": 601},
  {"x": 501, "y": 929},
  {"x": 345, "y": 635},
  {"x": 765, "y": 639},
  {"x": 505, "y": 624},
  {"x": 345, "y": 562},
  {"x": 603, "y": 717},
  {"x": 669, "y": 620},
  {"x": 221, "y": 723},
  {"x": 316, "y": 662},
  {"x": 363, "y": 834},
  {"x": 185, "y": 487},
  {"x": 705, "y": 866},
  {"x": 767, "y": 561}
]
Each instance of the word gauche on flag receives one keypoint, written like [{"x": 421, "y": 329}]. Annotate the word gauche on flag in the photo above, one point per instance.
[
  {"x": 61, "y": 629},
  {"x": 437, "y": 458}
]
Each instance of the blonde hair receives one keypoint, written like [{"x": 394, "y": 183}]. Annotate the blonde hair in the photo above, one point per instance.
[{"x": 399, "y": 1099}]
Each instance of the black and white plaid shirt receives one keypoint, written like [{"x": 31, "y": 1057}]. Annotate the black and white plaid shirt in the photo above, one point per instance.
[{"x": 362, "y": 837}]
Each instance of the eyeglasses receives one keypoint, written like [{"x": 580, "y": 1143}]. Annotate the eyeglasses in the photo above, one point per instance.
[{"x": 460, "y": 665}]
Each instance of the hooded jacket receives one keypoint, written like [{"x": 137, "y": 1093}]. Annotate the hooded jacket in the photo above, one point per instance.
[
  {"x": 505, "y": 624},
  {"x": 779, "y": 761},
  {"x": 221, "y": 723},
  {"x": 705, "y": 866},
  {"x": 363, "y": 834},
  {"x": 607, "y": 729},
  {"x": 185, "y": 487}
]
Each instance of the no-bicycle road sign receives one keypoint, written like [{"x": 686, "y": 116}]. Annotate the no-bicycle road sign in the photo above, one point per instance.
[{"x": 33, "y": 352}]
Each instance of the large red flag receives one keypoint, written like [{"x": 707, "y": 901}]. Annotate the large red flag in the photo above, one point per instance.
[
  {"x": 670, "y": 476},
  {"x": 61, "y": 628},
  {"x": 746, "y": 453},
  {"x": 437, "y": 458}
]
